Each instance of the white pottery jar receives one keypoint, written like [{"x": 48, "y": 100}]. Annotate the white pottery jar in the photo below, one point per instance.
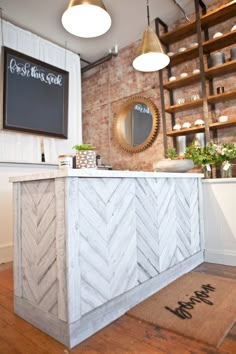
[{"x": 85, "y": 159}]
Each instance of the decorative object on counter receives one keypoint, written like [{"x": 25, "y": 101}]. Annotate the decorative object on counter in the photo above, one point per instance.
[
  {"x": 196, "y": 71},
  {"x": 170, "y": 54},
  {"x": 224, "y": 153},
  {"x": 217, "y": 58},
  {"x": 223, "y": 119},
  {"x": 181, "y": 142},
  {"x": 65, "y": 161},
  {"x": 180, "y": 100},
  {"x": 85, "y": 156},
  {"x": 182, "y": 49},
  {"x": 150, "y": 55},
  {"x": 173, "y": 163},
  {"x": 195, "y": 97},
  {"x": 177, "y": 127},
  {"x": 136, "y": 125},
  {"x": 233, "y": 53},
  {"x": 172, "y": 78},
  {"x": 217, "y": 34},
  {"x": 182, "y": 75},
  {"x": 219, "y": 155},
  {"x": 220, "y": 89},
  {"x": 200, "y": 156},
  {"x": 186, "y": 125},
  {"x": 199, "y": 122}
]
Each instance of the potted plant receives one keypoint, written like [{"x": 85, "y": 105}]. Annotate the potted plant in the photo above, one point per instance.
[{"x": 85, "y": 156}]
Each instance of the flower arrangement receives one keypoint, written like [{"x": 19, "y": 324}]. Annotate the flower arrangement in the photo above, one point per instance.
[{"x": 211, "y": 153}]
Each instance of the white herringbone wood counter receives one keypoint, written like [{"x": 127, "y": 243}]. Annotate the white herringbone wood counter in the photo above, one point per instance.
[{"x": 88, "y": 246}]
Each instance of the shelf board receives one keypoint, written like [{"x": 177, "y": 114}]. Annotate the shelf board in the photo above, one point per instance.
[
  {"x": 184, "y": 107},
  {"x": 221, "y": 14},
  {"x": 188, "y": 131},
  {"x": 191, "y": 79},
  {"x": 199, "y": 129},
  {"x": 226, "y": 96},
  {"x": 219, "y": 42},
  {"x": 219, "y": 125},
  {"x": 179, "y": 33},
  {"x": 221, "y": 70},
  {"x": 188, "y": 54}
]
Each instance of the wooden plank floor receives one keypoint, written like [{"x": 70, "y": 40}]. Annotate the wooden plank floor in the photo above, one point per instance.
[{"x": 125, "y": 335}]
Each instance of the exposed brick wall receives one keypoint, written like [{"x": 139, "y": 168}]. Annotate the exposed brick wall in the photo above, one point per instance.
[{"x": 107, "y": 86}]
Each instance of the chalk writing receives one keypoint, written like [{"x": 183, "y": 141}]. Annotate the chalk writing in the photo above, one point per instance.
[
  {"x": 199, "y": 296},
  {"x": 32, "y": 71}
]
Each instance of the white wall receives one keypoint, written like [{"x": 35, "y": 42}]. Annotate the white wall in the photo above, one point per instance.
[
  {"x": 26, "y": 147},
  {"x": 219, "y": 197},
  {"x": 19, "y": 148}
]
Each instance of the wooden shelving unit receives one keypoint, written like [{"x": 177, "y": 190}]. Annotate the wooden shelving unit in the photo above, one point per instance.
[
  {"x": 198, "y": 26},
  {"x": 184, "y": 107},
  {"x": 226, "y": 96},
  {"x": 220, "y": 42},
  {"x": 199, "y": 129},
  {"x": 219, "y": 70},
  {"x": 189, "y": 80}
]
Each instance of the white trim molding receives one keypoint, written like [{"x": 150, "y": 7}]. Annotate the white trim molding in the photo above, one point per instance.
[
  {"x": 6, "y": 253},
  {"x": 226, "y": 257}
]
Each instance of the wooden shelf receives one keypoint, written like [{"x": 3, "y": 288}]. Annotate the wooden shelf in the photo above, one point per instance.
[
  {"x": 194, "y": 130},
  {"x": 191, "y": 79},
  {"x": 199, "y": 129},
  {"x": 188, "y": 54},
  {"x": 222, "y": 97},
  {"x": 219, "y": 42},
  {"x": 184, "y": 107},
  {"x": 179, "y": 33},
  {"x": 219, "y": 125},
  {"x": 221, "y": 14},
  {"x": 221, "y": 70}
]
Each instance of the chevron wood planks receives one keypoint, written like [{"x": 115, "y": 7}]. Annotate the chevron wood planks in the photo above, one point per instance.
[{"x": 85, "y": 245}]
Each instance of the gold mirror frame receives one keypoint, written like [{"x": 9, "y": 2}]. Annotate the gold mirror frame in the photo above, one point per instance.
[{"x": 121, "y": 116}]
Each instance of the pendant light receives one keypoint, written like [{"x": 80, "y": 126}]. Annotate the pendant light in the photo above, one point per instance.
[
  {"x": 86, "y": 18},
  {"x": 150, "y": 55}
]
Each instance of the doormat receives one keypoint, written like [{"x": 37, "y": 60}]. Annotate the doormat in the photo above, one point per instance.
[{"x": 198, "y": 306}]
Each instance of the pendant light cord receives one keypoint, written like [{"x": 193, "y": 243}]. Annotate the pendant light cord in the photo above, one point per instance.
[
  {"x": 148, "y": 15},
  {"x": 182, "y": 10}
]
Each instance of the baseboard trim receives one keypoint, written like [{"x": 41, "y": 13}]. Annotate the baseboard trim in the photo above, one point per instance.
[
  {"x": 6, "y": 253},
  {"x": 225, "y": 257}
]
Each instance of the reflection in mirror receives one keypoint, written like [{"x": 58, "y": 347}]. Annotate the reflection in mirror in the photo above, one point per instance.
[{"x": 136, "y": 125}]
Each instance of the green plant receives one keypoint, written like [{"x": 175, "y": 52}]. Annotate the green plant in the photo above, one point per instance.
[
  {"x": 171, "y": 154},
  {"x": 84, "y": 147}
]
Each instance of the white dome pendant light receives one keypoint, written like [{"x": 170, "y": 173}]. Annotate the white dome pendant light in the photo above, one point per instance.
[
  {"x": 150, "y": 55},
  {"x": 86, "y": 18}
]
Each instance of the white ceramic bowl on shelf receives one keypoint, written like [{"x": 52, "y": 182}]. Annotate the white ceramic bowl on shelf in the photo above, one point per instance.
[{"x": 223, "y": 119}]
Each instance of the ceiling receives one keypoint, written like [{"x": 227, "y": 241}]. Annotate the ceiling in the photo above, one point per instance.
[{"x": 128, "y": 22}]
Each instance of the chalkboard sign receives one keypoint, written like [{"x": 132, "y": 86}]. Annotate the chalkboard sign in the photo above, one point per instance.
[{"x": 35, "y": 96}]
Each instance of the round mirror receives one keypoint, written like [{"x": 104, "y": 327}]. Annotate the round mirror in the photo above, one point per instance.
[{"x": 136, "y": 124}]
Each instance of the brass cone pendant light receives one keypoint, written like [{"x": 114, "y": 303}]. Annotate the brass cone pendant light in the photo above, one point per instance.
[
  {"x": 86, "y": 18},
  {"x": 150, "y": 55}
]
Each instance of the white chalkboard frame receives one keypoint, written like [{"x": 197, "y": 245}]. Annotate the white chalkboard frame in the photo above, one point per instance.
[{"x": 35, "y": 96}]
